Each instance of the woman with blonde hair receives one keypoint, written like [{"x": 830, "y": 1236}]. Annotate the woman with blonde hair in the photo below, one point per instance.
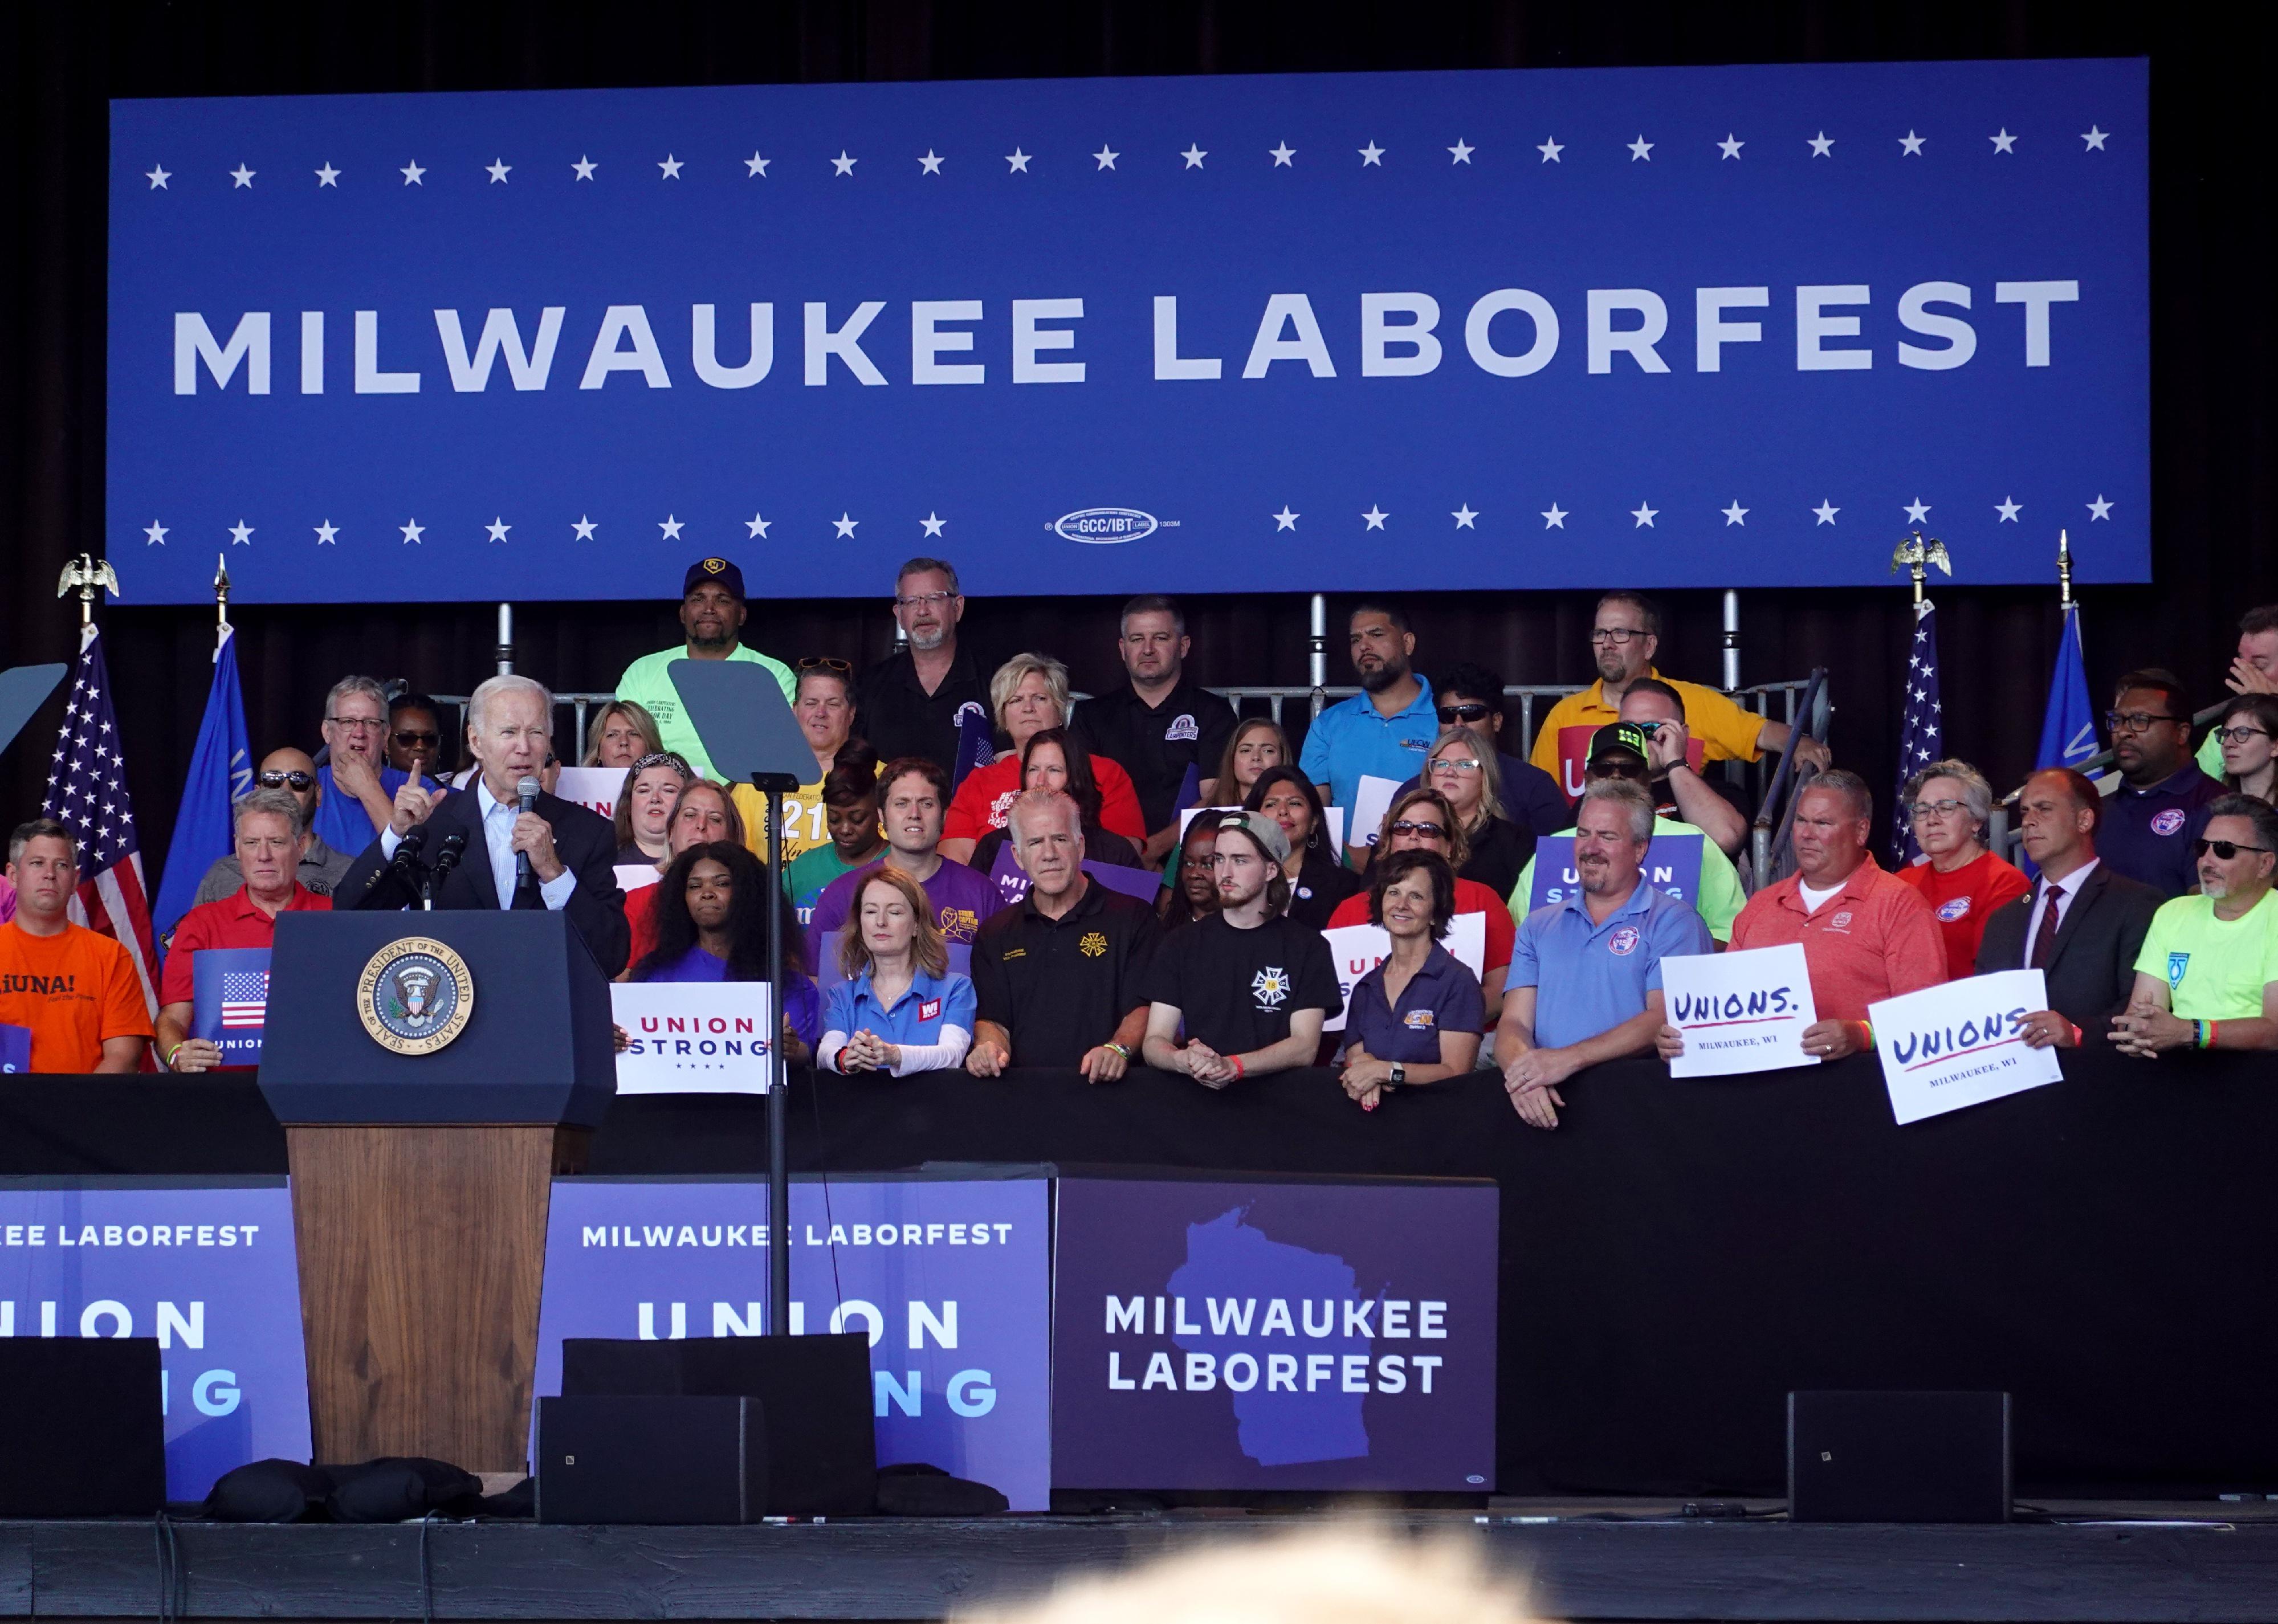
[
  {"x": 621, "y": 732},
  {"x": 1258, "y": 743},
  {"x": 1462, "y": 767},
  {"x": 1028, "y": 694},
  {"x": 901, "y": 1009}
]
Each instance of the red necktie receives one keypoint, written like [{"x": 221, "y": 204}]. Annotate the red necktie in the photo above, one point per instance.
[{"x": 2044, "y": 940}]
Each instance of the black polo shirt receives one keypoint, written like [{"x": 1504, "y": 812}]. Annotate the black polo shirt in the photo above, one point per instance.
[
  {"x": 1061, "y": 987},
  {"x": 1155, "y": 744},
  {"x": 897, "y": 717}
]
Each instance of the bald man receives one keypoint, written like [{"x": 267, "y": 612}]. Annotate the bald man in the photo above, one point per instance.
[{"x": 321, "y": 866}]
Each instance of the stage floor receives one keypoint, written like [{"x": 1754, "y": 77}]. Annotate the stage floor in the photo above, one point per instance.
[{"x": 1609, "y": 1558}]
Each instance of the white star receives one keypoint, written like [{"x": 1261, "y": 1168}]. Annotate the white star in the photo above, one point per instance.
[
  {"x": 1912, "y": 143},
  {"x": 1281, "y": 154},
  {"x": 670, "y": 165},
  {"x": 933, "y": 521},
  {"x": 1463, "y": 517},
  {"x": 1640, "y": 148},
  {"x": 1550, "y": 149},
  {"x": 758, "y": 527},
  {"x": 1823, "y": 145},
  {"x": 412, "y": 532},
  {"x": 2099, "y": 508},
  {"x": 841, "y": 164},
  {"x": 1376, "y": 517},
  {"x": 929, "y": 164},
  {"x": 157, "y": 534},
  {"x": 411, "y": 172},
  {"x": 1285, "y": 520},
  {"x": 498, "y": 528},
  {"x": 1019, "y": 160},
  {"x": 1553, "y": 517},
  {"x": 2095, "y": 138},
  {"x": 670, "y": 526},
  {"x": 1917, "y": 511},
  {"x": 1826, "y": 511},
  {"x": 844, "y": 526},
  {"x": 241, "y": 534},
  {"x": 1462, "y": 152},
  {"x": 326, "y": 532},
  {"x": 241, "y": 175},
  {"x": 583, "y": 167},
  {"x": 1106, "y": 156},
  {"x": 1735, "y": 513},
  {"x": 497, "y": 168},
  {"x": 328, "y": 176},
  {"x": 1644, "y": 515},
  {"x": 1730, "y": 146},
  {"x": 2008, "y": 508},
  {"x": 1371, "y": 154},
  {"x": 755, "y": 166},
  {"x": 2004, "y": 141},
  {"x": 583, "y": 528},
  {"x": 1193, "y": 155},
  {"x": 158, "y": 177}
]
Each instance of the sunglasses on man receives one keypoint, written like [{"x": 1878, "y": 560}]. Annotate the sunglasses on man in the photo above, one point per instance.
[
  {"x": 275, "y": 779},
  {"x": 2224, "y": 849},
  {"x": 1469, "y": 711}
]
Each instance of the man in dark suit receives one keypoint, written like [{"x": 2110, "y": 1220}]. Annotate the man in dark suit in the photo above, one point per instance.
[
  {"x": 572, "y": 851},
  {"x": 2081, "y": 924}
]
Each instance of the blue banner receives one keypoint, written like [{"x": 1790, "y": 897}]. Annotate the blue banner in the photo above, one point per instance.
[
  {"x": 1672, "y": 864},
  {"x": 206, "y": 1265},
  {"x": 229, "y": 1001},
  {"x": 1669, "y": 327},
  {"x": 950, "y": 1278},
  {"x": 221, "y": 770}
]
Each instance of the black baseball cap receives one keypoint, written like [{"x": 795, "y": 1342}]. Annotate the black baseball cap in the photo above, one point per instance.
[
  {"x": 719, "y": 570},
  {"x": 1619, "y": 739}
]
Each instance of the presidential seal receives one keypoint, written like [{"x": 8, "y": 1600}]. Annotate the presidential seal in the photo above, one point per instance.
[{"x": 414, "y": 996}]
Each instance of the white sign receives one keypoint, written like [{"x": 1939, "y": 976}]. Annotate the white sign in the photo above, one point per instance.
[
  {"x": 633, "y": 876},
  {"x": 1961, "y": 1043},
  {"x": 1371, "y": 801},
  {"x": 1743, "y": 1012},
  {"x": 1335, "y": 815},
  {"x": 694, "y": 1037},
  {"x": 1356, "y": 950},
  {"x": 593, "y": 787}
]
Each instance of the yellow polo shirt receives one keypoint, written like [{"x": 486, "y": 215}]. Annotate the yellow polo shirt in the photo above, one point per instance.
[{"x": 1722, "y": 728}]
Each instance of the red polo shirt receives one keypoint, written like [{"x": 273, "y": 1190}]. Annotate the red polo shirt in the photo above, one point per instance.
[
  {"x": 232, "y": 922},
  {"x": 1874, "y": 939}
]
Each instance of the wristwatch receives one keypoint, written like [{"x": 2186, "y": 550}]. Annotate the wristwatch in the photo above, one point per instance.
[{"x": 1399, "y": 1076}]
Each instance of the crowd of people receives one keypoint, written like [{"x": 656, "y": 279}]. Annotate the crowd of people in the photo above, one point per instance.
[{"x": 1146, "y": 877}]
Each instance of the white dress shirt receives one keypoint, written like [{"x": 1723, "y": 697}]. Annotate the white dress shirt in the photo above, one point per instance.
[
  {"x": 2058, "y": 894},
  {"x": 498, "y": 838}
]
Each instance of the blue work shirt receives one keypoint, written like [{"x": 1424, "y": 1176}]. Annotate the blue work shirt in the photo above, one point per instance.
[
  {"x": 1443, "y": 996},
  {"x": 1349, "y": 741},
  {"x": 1590, "y": 977},
  {"x": 916, "y": 1018},
  {"x": 2147, "y": 833},
  {"x": 341, "y": 821}
]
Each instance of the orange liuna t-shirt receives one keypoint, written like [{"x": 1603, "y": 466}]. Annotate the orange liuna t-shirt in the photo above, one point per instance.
[{"x": 72, "y": 991}]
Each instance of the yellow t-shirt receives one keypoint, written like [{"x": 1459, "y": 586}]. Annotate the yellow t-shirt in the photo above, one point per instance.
[
  {"x": 1724, "y": 730},
  {"x": 2215, "y": 969},
  {"x": 805, "y": 825}
]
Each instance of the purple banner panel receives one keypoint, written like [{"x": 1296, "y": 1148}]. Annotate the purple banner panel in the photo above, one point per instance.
[
  {"x": 1229, "y": 1335},
  {"x": 950, "y": 1276},
  {"x": 206, "y": 1265}
]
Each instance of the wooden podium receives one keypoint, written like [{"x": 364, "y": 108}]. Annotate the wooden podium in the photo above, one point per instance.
[{"x": 434, "y": 1073}]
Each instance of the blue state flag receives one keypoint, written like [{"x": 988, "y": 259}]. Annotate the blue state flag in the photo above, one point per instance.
[
  {"x": 975, "y": 743},
  {"x": 2069, "y": 729},
  {"x": 221, "y": 770}
]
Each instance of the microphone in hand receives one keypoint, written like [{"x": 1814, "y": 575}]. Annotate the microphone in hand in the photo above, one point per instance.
[{"x": 526, "y": 791}]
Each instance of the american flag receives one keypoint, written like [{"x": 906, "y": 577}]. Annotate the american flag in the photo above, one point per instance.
[
  {"x": 87, "y": 792},
  {"x": 245, "y": 998},
  {"x": 1922, "y": 738}
]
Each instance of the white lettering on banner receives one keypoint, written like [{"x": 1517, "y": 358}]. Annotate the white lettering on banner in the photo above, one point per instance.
[
  {"x": 369, "y": 378},
  {"x": 1377, "y": 336},
  {"x": 1479, "y": 336},
  {"x": 704, "y": 348},
  {"x": 1740, "y": 1011},
  {"x": 928, "y": 342},
  {"x": 1961, "y": 1043},
  {"x": 1915, "y": 316},
  {"x": 132, "y": 1235},
  {"x": 1711, "y": 331},
  {"x": 845, "y": 343},
  {"x": 1812, "y": 327},
  {"x": 1292, "y": 313},
  {"x": 248, "y": 342},
  {"x": 1637, "y": 342},
  {"x": 500, "y": 337},
  {"x": 312, "y": 352},
  {"x": 621, "y": 323},
  {"x": 1029, "y": 339}
]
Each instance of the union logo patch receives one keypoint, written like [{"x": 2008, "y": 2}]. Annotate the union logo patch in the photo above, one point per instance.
[
  {"x": 929, "y": 1009},
  {"x": 2168, "y": 821},
  {"x": 2177, "y": 962},
  {"x": 1181, "y": 730},
  {"x": 1956, "y": 909},
  {"x": 1622, "y": 942},
  {"x": 1271, "y": 986},
  {"x": 1092, "y": 944},
  {"x": 1421, "y": 1020}
]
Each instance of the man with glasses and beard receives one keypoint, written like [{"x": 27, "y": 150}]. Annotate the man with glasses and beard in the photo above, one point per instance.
[
  {"x": 1384, "y": 730},
  {"x": 908, "y": 704},
  {"x": 712, "y": 615},
  {"x": 2161, "y": 805},
  {"x": 321, "y": 867},
  {"x": 2207, "y": 977}
]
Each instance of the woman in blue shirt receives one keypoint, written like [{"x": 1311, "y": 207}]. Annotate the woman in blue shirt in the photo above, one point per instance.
[
  {"x": 712, "y": 924},
  {"x": 900, "y": 1009},
  {"x": 1414, "y": 1018}
]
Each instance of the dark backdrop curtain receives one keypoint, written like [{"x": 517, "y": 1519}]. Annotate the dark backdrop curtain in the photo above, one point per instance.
[{"x": 2212, "y": 377}]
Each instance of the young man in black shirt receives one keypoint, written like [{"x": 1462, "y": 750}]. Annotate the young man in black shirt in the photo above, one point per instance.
[
  {"x": 1252, "y": 984},
  {"x": 1057, "y": 976},
  {"x": 1158, "y": 724}
]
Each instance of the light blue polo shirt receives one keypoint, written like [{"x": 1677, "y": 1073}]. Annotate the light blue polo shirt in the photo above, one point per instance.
[
  {"x": 917, "y": 1016},
  {"x": 1351, "y": 741},
  {"x": 1589, "y": 977}
]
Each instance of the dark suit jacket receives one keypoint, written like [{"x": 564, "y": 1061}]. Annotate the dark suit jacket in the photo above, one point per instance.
[
  {"x": 2091, "y": 969},
  {"x": 585, "y": 841}
]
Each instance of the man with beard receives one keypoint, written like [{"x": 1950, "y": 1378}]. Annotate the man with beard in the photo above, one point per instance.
[
  {"x": 1624, "y": 637},
  {"x": 1158, "y": 725},
  {"x": 1384, "y": 730},
  {"x": 908, "y": 704},
  {"x": 2161, "y": 805},
  {"x": 712, "y": 613},
  {"x": 1585, "y": 979},
  {"x": 2207, "y": 977}
]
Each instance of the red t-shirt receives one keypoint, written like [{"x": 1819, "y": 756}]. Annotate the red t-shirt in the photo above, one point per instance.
[
  {"x": 986, "y": 796},
  {"x": 1963, "y": 900},
  {"x": 1470, "y": 897},
  {"x": 232, "y": 922}
]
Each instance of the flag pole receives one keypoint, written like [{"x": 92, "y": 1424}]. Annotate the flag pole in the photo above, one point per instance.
[
  {"x": 221, "y": 601},
  {"x": 1917, "y": 555},
  {"x": 89, "y": 575},
  {"x": 2064, "y": 573}
]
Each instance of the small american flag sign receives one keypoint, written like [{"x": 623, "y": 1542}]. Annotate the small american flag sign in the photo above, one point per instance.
[{"x": 244, "y": 998}]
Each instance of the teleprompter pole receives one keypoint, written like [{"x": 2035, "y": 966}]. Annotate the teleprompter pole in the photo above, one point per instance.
[{"x": 775, "y": 786}]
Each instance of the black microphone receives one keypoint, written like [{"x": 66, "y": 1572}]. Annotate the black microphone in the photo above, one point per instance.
[
  {"x": 455, "y": 846},
  {"x": 527, "y": 789},
  {"x": 407, "y": 850}
]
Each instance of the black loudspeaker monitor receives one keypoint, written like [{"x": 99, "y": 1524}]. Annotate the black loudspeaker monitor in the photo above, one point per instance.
[
  {"x": 821, "y": 1457},
  {"x": 1898, "y": 1457},
  {"x": 651, "y": 1460},
  {"x": 81, "y": 1429}
]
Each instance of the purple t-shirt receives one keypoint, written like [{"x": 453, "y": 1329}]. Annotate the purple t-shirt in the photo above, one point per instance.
[
  {"x": 802, "y": 1005},
  {"x": 962, "y": 897}
]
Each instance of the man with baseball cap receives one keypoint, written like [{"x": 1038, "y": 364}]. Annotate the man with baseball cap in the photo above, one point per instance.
[
  {"x": 1251, "y": 986},
  {"x": 712, "y": 613}
]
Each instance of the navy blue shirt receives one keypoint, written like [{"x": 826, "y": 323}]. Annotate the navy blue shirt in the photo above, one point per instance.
[
  {"x": 2147, "y": 833},
  {"x": 1443, "y": 996}
]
